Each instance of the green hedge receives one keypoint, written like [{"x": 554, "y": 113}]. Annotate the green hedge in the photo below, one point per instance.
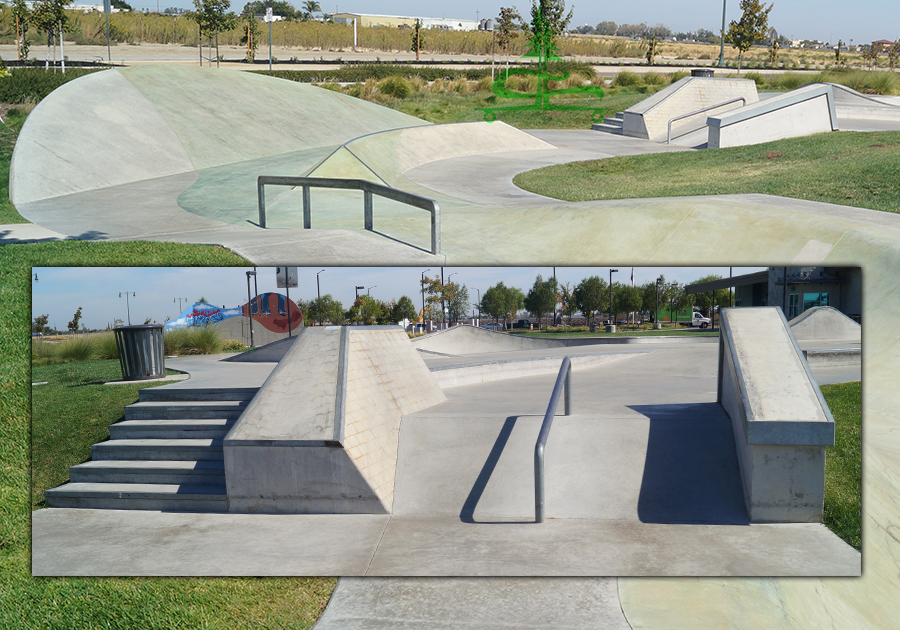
[{"x": 35, "y": 83}]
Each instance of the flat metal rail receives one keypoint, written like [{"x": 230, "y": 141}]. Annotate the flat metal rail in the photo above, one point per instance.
[
  {"x": 369, "y": 189},
  {"x": 700, "y": 111},
  {"x": 563, "y": 386}
]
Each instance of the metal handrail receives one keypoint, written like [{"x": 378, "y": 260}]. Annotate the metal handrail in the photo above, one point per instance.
[
  {"x": 368, "y": 188},
  {"x": 563, "y": 383},
  {"x": 700, "y": 111}
]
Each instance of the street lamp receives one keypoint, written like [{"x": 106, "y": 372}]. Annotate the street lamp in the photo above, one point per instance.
[
  {"x": 722, "y": 38},
  {"x": 318, "y": 288},
  {"x": 422, "y": 284},
  {"x": 127, "y": 305},
  {"x": 656, "y": 323},
  {"x": 611, "y": 272},
  {"x": 358, "y": 290},
  {"x": 250, "y": 304},
  {"x": 446, "y": 308},
  {"x": 370, "y": 288},
  {"x": 179, "y": 303}
]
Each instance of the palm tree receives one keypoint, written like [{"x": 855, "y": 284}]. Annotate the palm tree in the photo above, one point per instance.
[{"x": 310, "y": 7}]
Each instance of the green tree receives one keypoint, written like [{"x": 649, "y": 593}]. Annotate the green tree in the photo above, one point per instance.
[
  {"x": 607, "y": 28},
  {"x": 279, "y": 7},
  {"x": 837, "y": 52},
  {"x": 418, "y": 39},
  {"x": 541, "y": 298},
  {"x": 893, "y": 52},
  {"x": 509, "y": 23},
  {"x": 366, "y": 310},
  {"x": 40, "y": 323},
  {"x": 250, "y": 36},
  {"x": 121, "y": 5},
  {"x": 456, "y": 297},
  {"x": 202, "y": 300},
  {"x": 326, "y": 309},
  {"x": 404, "y": 309},
  {"x": 751, "y": 28},
  {"x": 50, "y": 16},
  {"x": 20, "y": 17},
  {"x": 592, "y": 296},
  {"x": 434, "y": 297},
  {"x": 553, "y": 14},
  {"x": 568, "y": 305},
  {"x": 627, "y": 299},
  {"x": 310, "y": 7},
  {"x": 73, "y": 325},
  {"x": 651, "y": 50},
  {"x": 708, "y": 300},
  {"x": 211, "y": 17},
  {"x": 870, "y": 55},
  {"x": 502, "y": 301}
]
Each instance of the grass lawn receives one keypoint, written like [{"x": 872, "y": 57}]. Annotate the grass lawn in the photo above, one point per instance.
[
  {"x": 8, "y": 135},
  {"x": 848, "y": 168},
  {"x": 449, "y": 107},
  {"x": 843, "y": 463}
]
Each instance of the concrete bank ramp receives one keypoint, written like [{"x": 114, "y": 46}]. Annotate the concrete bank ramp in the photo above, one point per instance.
[
  {"x": 132, "y": 124},
  {"x": 473, "y": 603},
  {"x": 321, "y": 435},
  {"x": 467, "y": 339},
  {"x": 825, "y": 322},
  {"x": 651, "y": 463}
]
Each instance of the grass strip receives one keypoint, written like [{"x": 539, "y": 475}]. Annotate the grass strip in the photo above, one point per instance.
[
  {"x": 848, "y": 168},
  {"x": 843, "y": 463}
]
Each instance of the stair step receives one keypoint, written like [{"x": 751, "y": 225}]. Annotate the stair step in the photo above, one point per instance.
[
  {"x": 192, "y": 472},
  {"x": 607, "y": 128},
  {"x": 158, "y": 410},
  {"x": 159, "y": 449},
  {"x": 171, "y": 429},
  {"x": 139, "y": 496},
  {"x": 164, "y": 394},
  {"x": 615, "y": 122}
]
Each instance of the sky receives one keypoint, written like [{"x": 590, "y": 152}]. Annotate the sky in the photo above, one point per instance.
[
  {"x": 825, "y": 20},
  {"x": 154, "y": 291}
]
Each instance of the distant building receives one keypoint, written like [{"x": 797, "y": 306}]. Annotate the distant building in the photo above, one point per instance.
[
  {"x": 882, "y": 45},
  {"x": 80, "y": 6},
  {"x": 807, "y": 287},
  {"x": 398, "y": 21}
]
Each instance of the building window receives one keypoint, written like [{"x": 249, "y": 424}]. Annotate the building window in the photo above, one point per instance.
[
  {"x": 793, "y": 305},
  {"x": 737, "y": 301},
  {"x": 811, "y": 300}
]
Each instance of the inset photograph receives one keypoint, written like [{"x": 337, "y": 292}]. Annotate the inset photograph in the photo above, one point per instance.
[{"x": 489, "y": 421}]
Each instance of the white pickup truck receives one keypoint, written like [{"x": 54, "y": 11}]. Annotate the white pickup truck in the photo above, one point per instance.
[{"x": 699, "y": 320}]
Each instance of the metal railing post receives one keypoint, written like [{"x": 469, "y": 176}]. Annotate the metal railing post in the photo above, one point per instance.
[
  {"x": 307, "y": 212},
  {"x": 261, "y": 195},
  {"x": 699, "y": 111},
  {"x": 567, "y": 395},
  {"x": 562, "y": 383},
  {"x": 436, "y": 229},
  {"x": 367, "y": 211}
]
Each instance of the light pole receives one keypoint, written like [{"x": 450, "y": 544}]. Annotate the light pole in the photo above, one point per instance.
[
  {"x": 250, "y": 304},
  {"x": 447, "y": 308},
  {"x": 179, "y": 303},
  {"x": 656, "y": 323},
  {"x": 611, "y": 272},
  {"x": 490, "y": 27},
  {"x": 127, "y": 305},
  {"x": 479, "y": 306},
  {"x": 358, "y": 290},
  {"x": 422, "y": 284},
  {"x": 318, "y": 288},
  {"x": 722, "y": 38},
  {"x": 370, "y": 288}
]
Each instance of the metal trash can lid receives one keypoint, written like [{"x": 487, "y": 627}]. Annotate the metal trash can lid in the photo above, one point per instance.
[{"x": 138, "y": 327}]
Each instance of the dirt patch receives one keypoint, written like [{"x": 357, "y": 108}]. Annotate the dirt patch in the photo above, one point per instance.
[{"x": 773, "y": 155}]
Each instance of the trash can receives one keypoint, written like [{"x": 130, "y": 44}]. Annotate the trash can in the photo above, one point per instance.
[
  {"x": 593, "y": 327},
  {"x": 702, "y": 72},
  {"x": 142, "y": 352}
]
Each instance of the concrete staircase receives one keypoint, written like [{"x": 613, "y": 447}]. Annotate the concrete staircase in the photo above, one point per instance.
[
  {"x": 611, "y": 125},
  {"x": 165, "y": 455}
]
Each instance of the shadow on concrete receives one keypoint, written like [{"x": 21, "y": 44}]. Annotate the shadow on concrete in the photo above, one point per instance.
[
  {"x": 7, "y": 238},
  {"x": 691, "y": 473},
  {"x": 467, "y": 514},
  {"x": 397, "y": 240}
]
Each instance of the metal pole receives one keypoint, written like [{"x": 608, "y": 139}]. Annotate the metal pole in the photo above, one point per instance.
[
  {"x": 422, "y": 284},
  {"x": 250, "y": 305},
  {"x": 270, "y": 43},
  {"x": 287, "y": 290},
  {"x": 62, "y": 54},
  {"x": 722, "y": 38},
  {"x": 318, "y": 287},
  {"x": 784, "y": 292},
  {"x": 106, "y": 8}
]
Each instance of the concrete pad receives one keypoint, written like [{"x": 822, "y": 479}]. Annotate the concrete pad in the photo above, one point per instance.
[
  {"x": 412, "y": 603},
  {"x": 421, "y": 545},
  {"x": 139, "y": 542}
]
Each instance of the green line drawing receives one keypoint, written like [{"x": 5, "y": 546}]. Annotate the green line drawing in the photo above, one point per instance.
[{"x": 543, "y": 49}]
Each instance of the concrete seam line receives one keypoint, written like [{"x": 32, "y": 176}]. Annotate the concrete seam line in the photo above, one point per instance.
[
  {"x": 619, "y": 600},
  {"x": 378, "y": 544},
  {"x": 340, "y": 395}
]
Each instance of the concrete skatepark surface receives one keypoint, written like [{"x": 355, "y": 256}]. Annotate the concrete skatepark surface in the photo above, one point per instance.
[
  {"x": 463, "y": 494},
  {"x": 201, "y": 188}
]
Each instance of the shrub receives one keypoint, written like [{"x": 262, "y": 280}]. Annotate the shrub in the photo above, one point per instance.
[
  {"x": 80, "y": 348},
  {"x": 105, "y": 346},
  {"x": 205, "y": 340},
  {"x": 485, "y": 84},
  {"x": 654, "y": 78},
  {"x": 41, "y": 352},
  {"x": 233, "y": 345},
  {"x": 677, "y": 76},
  {"x": 757, "y": 77},
  {"x": 395, "y": 86},
  {"x": 33, "y": 84},
  {"x": 626, "y": 78}
]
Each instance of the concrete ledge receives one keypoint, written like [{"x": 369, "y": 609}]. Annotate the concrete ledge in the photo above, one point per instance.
[
  {"x": 780, "y": 420},
  {"x": 833, "y": 358},
  {"x": 801, "y": 112}
]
